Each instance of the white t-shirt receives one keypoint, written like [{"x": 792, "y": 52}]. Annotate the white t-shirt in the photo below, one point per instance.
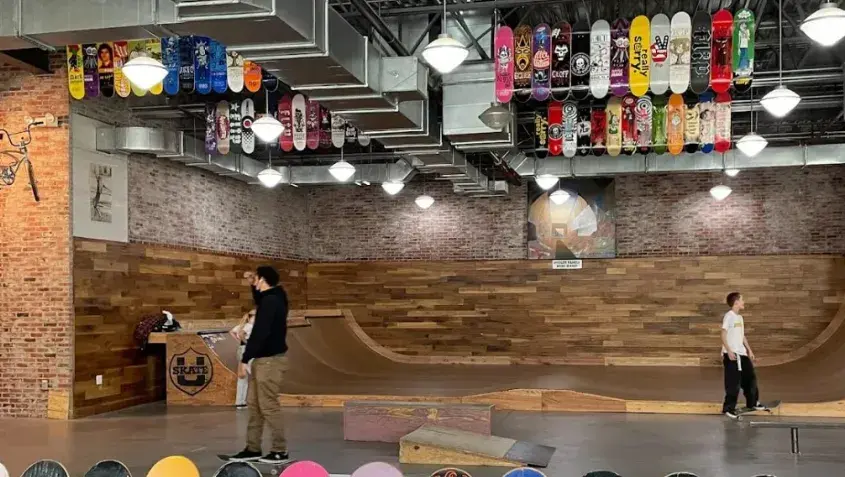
[
  {"x": 247, "y": 327},
  {"x": 734, "y": 325}
]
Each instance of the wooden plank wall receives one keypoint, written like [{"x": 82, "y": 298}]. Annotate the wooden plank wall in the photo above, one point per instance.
[
  {"x": 115, "y": 284},
  {"x": 623, "y": 311}
]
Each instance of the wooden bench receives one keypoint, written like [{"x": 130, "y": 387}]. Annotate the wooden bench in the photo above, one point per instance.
[
  {"x": 794, "y": 426},
  {"x": 378, "y": 421}
]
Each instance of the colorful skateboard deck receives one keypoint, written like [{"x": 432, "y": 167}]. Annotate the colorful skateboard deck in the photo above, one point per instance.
[
  {"x": 108, "y": 468},
  {"x": 170, "y": 60},
  {"x": 75, "y": 72},
  {"x": 701, "y": 44},
  {"x": 580, "y": 60},
  {"x": 598, "y": 128},
  {"x": 723, "y": 123},
  {"x": 721, "y": 71},
  {"x": 555, "y": 128},
  {"x": 312, "y": 124},
  {"x": 121, "y": 82},
  {"x": 643, "y": 118},
  {"x": 707, "y": 120},
  {"x": 377, "y": 469},
  {"x": 325, "y": 128},
  {"x": 173, "y": 466},
  {"x": 450, "y": 472},
  {"x": 299, "y": 128},
  {"x": 692, "y": 127},
  {"x": 680, "y": 44},
  {"x": 137, "y": 48},
  {"x": 285, "y": 116},
  {"x": 269, "y": 82},
  {"x": 629, "y": 124},
  {"x": 619, "y": 57},
  {"x": 338, "y": 131},
  {"x": 45, "y": 468},
  {"x": 222, "y": 119},
  {"x": 743, "y": 49},
  {"x": 351, "y": 134},
  {"x": 522, "y": 57},
  {"x": 210, "y": 128},
  {"x": 105, "y": 68},
  {"x": 252, "y": 76},
  {"x": 660, "y": 32},
  {"x": 89, "y": 70},
  {"x": 614, "y": 125},
  {"x": 541, "y": 134},
  {"x": 504, "y": 64},
  {"x": 304, "y": 468},
  {"x": 600, "y": 59},
  {"x": 639, "y": 52},
  {"x": 234, "y": 71},
  {"x": 658, "y": 125},
  {"x": 202, "y": 64},
  {"x": 570, "y": 128},
  {"x": 186, "y": 64},
  {"x": 541, "y": 63},
  {"x": 675, "y": 124},
  {"x": 218, "y": 67},
  {"x": 237, "y": 469},
  {"x": 561, "y": 61},
  {"x": 153, "y": 47},
  {"x": 235, "y": 127},
  {"x": 524, "y": 472},
  {"x": 247, "y": 118},
  {"x": 582, "y": 130}
]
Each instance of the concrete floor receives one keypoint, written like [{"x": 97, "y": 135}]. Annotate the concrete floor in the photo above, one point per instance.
[{"x": 631, "y": 445}]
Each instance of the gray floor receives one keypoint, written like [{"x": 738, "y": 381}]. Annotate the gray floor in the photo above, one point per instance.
[{"x": 632, "y": 445}]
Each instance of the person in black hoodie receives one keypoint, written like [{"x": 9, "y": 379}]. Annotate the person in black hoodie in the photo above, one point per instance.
[{"x": 266, "y": 349}]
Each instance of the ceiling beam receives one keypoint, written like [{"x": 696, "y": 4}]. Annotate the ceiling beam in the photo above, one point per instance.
[{"x": 33, "y": 60}]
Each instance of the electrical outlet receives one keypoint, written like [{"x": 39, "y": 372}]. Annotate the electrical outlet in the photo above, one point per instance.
[{"x": 99, "y": 380}]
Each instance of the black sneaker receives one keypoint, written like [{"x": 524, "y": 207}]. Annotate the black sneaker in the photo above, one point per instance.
[
  {"x": 244, "y": 456},
  {"x": 275, "y": 458},
  {"x": 731, "y": 414}
]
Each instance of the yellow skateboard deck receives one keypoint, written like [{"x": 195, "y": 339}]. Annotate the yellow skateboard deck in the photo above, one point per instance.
[
  {"x": 174, "y": 466},
  {"x": 136, "y": 48},
  {"x": 614, "y": 126},
  {"x": 639, "y": 55},
  {"x": 675, "y": 124},
  {"x": 121, "y": 56},
  {"x": 154, "y": 51},
  {"x": 75, "y": 76}
]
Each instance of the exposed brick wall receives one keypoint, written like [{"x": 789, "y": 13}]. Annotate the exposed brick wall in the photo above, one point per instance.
[{"x": 36, "y": 318}]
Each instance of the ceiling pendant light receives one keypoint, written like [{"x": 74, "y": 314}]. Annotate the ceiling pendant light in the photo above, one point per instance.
[
  {"x": 546, "y": 181},
  {"x": 424, "y": 201},
  {"x": 445, "y": 53},
  {"x": 342, "y": 170},
  {"x": 270, "y": 177},
  {"x": 267, "y": 128},
  {"x": 144, "y": 72},
  {"x": 781, "y": 100},
  {"x": 826, "y": 26},
  {"x": 720, "y": 192},
  {"x": 731, "y": 172},
  {"x": 559, "y": 196},
  {"x": 392, "y": 187},
  {"x": 752, "y": 143},
  {"x": 496, "y": 116}
]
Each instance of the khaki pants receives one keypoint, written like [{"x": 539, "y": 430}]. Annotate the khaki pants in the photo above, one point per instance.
[{"x": 265, "y": 385}]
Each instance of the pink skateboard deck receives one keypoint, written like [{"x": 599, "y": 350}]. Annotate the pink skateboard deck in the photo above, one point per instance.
[
  {"x": 286, "y": 139},
  {"x": 504, "y": 64},
  {"x": 312, "y": 124}
]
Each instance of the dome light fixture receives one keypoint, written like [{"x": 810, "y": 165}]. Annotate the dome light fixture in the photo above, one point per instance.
[
  {"x": 559, "y": 196},
  {"x": 445, "y": 53},
  {"x": 826, "y": 26},
  {"x": 546, "y": 181},
  {"x": 720, "y": 192},
  {"x": 270, "y": 177},
  {"x": 144, "y": 72},
  {"x": 731, "y": 172},
  {"x": 751, "y": 144},
  {"x": 267, "y": 128},
  {"x": 424, "y": 201},
  {"x": 496, "y": 116},
  {"x": 781, "y": 100},
  {"x": 392, "y": 187},
  {"x": 342, "y": 170}
]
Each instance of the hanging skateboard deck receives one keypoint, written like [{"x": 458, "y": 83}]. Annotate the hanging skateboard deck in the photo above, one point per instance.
[
  {"x": 237, "y": 469},
  {"x": 660, "y": 31},
  {"x": 252, "y": 76},
  {"x": 541, "y": 134},
  {"x": 680, "y": 45},
  {"x": 614, "y": 126},
  {"x": 325, "y": 129},
  {"x": 222, "y": 118},
  {"x": 619, "y": 58},
  {"x": 600, "y": 59},
  {"x": 639, "y": 54},
  {"x": 137, "y": 48},
  {"x": 46, "y": 468},
  {"x": 675, "y": 124},
  {"x": 768, "y": 407},
  {"x": 743, "y": 49},
  {"x": 351, "y": 134},
  {"x": 629, "y": 124},
  {"x": 555, "y": 128},
  {"x": 153, "y": 47},
  {"x": 105, "y": 69},
  {"x": 234, "y": 71},
  {"x": 121, "y": 82},
  {"x": 580, "y": 60},
  {"x": 202, "y": 65},
  {"x": 285, "y": 116},
  {"x": 108, "y": 468},
  {"x": 598, "y": 127},
  {"x": 186, "y": 63},
  {"x": 363, "y": 139},
  {"x": 218, "y": 67},
  {"x": 721, "y": 71},
  {"x": 522, "y": 57},
  {"x": 643, "y": 119},
  {"x": 541, "y": 63},
  {"x": 583, "y": 129},
  {"x": 570, "y": 128},
  {"x": 658, "y": 125},
  {"x": 210, "y": 128},
  {"x": 170, "y": 60},
  {"x": 692, "y": 127},
  {"x": 701, "y": 44},
  {"x": 89, "y": 70},
  {"x": 504, "y": 64},
  {"x": 247, "y": 118},
  {"x": 298, "y": 115},
  {"x": 312, "y": 124},
  {"x": 269, "y": 82},
  {"x": 75, "y": 72},
  {"x": 338, "y": 131},
  {"x": 723, "y": 123},
  {"x": 235, "y": 127},
  {"x": 561, "y": 61},
  {"x": 707, "y": 121}
]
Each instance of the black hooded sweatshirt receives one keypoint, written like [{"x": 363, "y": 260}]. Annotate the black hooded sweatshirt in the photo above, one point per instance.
[{"x": 269, "y": 332}]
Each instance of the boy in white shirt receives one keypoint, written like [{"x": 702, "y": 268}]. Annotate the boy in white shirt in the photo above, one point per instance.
[
  {"x": 737, "y": 359},
  {"x": 241, "y": 333}
]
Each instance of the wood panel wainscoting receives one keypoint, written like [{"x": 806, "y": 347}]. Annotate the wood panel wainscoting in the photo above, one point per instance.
[
  {"x": 645, "y": 311},
  {"x": 115, "y": 284}
]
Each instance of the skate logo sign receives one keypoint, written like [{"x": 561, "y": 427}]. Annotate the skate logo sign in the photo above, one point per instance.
[{"x": 191, "y": 371}]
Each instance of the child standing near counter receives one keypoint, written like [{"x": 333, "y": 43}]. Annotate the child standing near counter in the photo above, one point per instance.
[{"x": 241, "y": 333}]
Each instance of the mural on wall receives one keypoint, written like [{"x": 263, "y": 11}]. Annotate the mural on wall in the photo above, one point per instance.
[
  {"x": 580, "y": 225},
  {"x": 101, "y": 193}
]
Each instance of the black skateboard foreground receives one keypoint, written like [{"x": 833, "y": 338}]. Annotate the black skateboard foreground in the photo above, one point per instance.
[{"x": 767, "y": 407}]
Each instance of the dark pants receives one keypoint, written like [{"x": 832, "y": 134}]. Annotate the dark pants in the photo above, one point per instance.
[{"x": 736, "y": 379}]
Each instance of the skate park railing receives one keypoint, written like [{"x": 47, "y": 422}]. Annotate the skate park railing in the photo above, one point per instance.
[{"x": 793, "y": 427}]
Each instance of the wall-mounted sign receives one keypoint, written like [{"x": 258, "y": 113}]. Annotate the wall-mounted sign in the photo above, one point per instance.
[
  {"x": 191, "y": 372},
  {"x": 566, "y": 264}
]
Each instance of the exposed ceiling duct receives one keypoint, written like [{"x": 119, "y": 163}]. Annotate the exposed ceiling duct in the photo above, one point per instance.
[
  {"x": 466, "y": 94},
  {"x": 452, "y": 165}
]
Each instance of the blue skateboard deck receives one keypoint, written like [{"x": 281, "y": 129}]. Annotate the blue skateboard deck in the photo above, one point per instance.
[
  {"x": 202, "y": 64},
  {"x": 170, "y": 59},
  {"x": 218, "y": 67},
  {"x": 186, "y": 64}
]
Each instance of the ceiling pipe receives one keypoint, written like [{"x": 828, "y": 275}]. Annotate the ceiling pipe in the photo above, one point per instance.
[{"x": 383, "y": 30}]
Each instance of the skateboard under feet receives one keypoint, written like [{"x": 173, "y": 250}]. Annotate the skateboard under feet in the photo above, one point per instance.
[{"x": 767, "y": 407}]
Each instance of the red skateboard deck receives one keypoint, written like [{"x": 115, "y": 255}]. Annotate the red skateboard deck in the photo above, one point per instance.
[
  {"x": 629, "y": 124},
  {"x": 504, "y": 64},
  {"x": 285, "y": 117},
  {"x": 598, "y": 128},
  {"x": 723, "y": 122},
  {"x": 555, "y": 128},
  {"x": 312, "y": 124},
  {"x": 721, "y": 72}
]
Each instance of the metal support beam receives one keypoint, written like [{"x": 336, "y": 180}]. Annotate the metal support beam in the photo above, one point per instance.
[
  {"x": 425, "y": 32},
  {"x": 375, "y": 20},
  {"x": 469, "y": 6},
  {"x": 32, "y": 60},
  {"x": 458, "y": 18}
]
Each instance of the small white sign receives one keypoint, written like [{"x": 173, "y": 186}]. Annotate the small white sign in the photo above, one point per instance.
[{"x": 566, "y": 264}]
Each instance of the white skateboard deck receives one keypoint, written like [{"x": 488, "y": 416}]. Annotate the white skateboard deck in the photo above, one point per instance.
[
  {"x": 299, "y": 131},
  {"x": 338, "y": 131},
  {"x": 247, "y": 117},
  {"x": 600, "y": 59},
  {"x": 679, "y": 52},
  {"x": 660, "y": 32},
  {"x": 570, "y": 128},
  {"x": 235, "y": 71}
]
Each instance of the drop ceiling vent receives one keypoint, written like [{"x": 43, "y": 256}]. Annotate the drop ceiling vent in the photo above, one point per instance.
[{"x": 140, "y": 140}]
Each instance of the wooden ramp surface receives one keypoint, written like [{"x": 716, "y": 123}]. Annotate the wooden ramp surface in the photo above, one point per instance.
[
  {"x": 442, "y": 446},
  {"x": 388, "y": 421}
]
